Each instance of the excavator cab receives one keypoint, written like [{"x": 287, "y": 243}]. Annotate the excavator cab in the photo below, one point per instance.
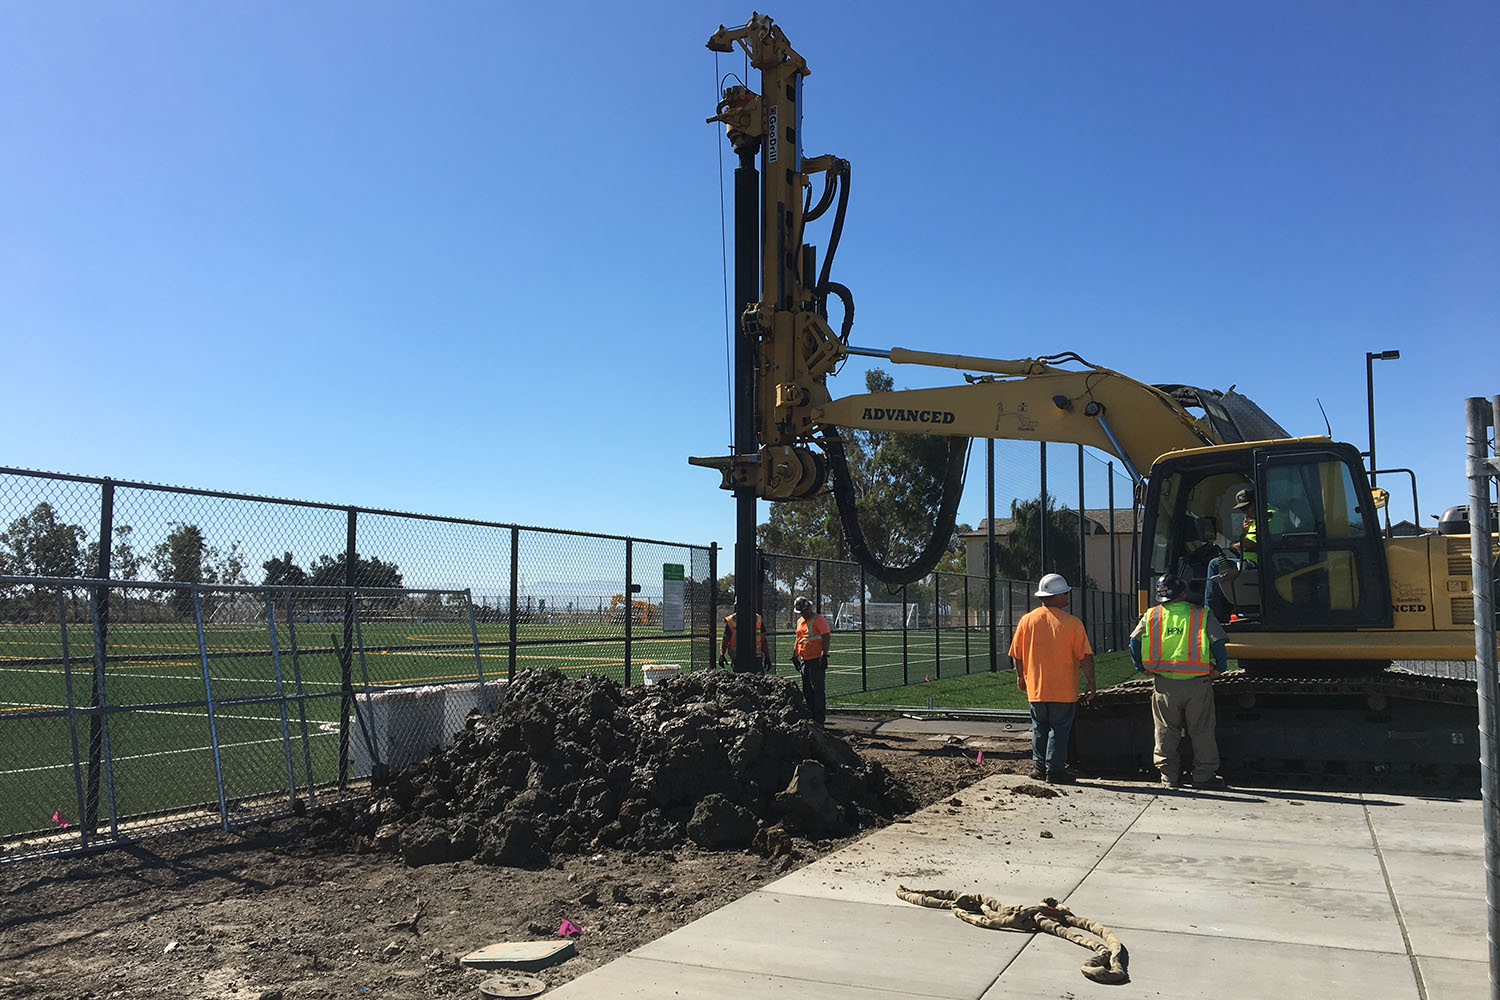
[{"x": 1319, "y": 563}]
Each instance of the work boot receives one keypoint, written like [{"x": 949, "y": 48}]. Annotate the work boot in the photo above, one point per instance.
[
  {"x": 1038, "y": 773},
  {"x": 1212, "y": 781},
  {"x": 1060, "y": 777},
  {"x": 1171, "y": 781}
]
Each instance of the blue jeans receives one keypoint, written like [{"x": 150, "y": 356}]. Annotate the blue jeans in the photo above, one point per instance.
[
  {"x": 1213, "y": 600},
  {"x": 1050, "y": 723}
]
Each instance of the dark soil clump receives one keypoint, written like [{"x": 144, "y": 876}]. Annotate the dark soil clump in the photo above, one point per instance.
[
  {"x": 569, "y": 765},
  {"x": 1036, "y": 791}
]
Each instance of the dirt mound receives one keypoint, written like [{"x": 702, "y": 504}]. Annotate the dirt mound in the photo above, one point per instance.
[{"x": 573, "y": 764}]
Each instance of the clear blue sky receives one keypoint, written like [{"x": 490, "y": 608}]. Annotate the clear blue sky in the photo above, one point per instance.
[{"x": 464, "y": 258}]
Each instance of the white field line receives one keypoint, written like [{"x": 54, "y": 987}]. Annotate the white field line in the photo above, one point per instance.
[
  {"x": 87, "y": 672},
  {"x": 333, "y": 731}
]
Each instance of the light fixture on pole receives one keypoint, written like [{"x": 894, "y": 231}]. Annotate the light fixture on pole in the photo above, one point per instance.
[{"x": 1370, "y": 358}]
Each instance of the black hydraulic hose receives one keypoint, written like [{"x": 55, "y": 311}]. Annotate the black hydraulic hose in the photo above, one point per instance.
[
  {"x": 841, "y": 168},
  {"x": 813, "y": 212},
  {"x": 847, "y": 297},
  {"x": 843, "y": 495}
]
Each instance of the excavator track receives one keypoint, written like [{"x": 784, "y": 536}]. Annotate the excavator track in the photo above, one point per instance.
[{"x": 1387, "y": 729}]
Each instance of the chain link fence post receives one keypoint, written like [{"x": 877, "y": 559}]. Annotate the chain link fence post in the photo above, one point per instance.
[
  {"x": 67, "y": 658},
  {"x": 479, "y": 699},
  {"x": 713, "y": 604},
  {"x": 629, "y": 603},
  {"x": 291, "y": 635},
  {"x": 937, "y": 625},
  {"x": 286, "y": 734},
  {"x": 1480, "y": 415},
  {"x": 99, "y": 718},
  {"x": 514, "y": 599},
  {"x": 208, "y": 697},
  {"x": 905, "y": 649},
  {"x": 864, "y": 632},
  {"x": 346, "y": 678},
  {"x": 967, "y": 624},
  {"x": 101, "y": 635}
]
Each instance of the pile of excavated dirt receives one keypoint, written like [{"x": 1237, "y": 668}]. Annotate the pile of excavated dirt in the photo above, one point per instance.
[{"x": 568, "y": 765}]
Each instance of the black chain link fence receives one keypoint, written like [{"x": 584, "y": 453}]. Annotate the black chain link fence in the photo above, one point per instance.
[
  {"x": 249, "y": 656},
  {"x": 211, "y": 705},
  {"x": 938, "y": 627}
]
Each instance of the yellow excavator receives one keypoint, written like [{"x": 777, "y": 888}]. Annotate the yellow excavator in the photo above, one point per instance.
[
  {"x": 644, "y": 612},
  {"x": 1330, "y": 601}
]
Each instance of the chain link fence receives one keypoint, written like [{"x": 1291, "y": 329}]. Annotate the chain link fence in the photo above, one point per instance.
[
  {"x": 938, "y": 627},
  {"x": 178, "y": 657},
  {"x": 211, "y": 705}
]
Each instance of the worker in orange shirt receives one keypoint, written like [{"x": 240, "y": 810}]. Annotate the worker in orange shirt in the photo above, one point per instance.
[
  {"x": 811, "y": 657},
  {"x": 1050, "y": 647}
]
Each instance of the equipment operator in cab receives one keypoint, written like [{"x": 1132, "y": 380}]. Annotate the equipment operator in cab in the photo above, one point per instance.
[
  {"x": 1182, "y": 647},
  {"x": 811, "y": 657},
  {"x": 1222, "y": 567}
]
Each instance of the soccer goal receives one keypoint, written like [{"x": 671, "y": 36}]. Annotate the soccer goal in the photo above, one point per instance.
[{"x": 877, "y": 616}]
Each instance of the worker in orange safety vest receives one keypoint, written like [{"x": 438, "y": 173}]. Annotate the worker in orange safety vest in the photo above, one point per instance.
[
  {"x": 811, "y": 657},
  {"x": 1181, "y": 645},
  {"x": 726, "y": 648}
]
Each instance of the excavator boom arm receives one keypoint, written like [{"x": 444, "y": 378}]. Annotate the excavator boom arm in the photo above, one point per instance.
[{"x": 1097, "y": 407}]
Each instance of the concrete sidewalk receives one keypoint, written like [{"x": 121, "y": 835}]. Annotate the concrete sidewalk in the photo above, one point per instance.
[{"x": 1239, "y": 893}]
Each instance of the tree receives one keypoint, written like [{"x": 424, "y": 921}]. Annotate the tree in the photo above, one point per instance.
[
  {"x": 1019, "y": 556},
  {"x": 124, "y": 562},
  {"x": 186, "y": 557},
  {"x": 38, "y": 544},
  {"x": 283, "y": 572},
  {"x": 328, "y": 571}
]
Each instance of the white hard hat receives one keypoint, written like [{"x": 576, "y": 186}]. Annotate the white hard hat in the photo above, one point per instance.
[{"x": 1052, "y": 585}]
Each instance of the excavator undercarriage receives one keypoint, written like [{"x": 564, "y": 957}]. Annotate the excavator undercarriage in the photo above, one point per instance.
[{"x": 1389, "y": 728}]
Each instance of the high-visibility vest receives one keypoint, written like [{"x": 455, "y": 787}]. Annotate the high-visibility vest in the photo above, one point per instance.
[
  {"x": 1249, "y": 541},
  {"x": 811, "y": 644},
  {"x": 1177, "y": 641},
  {"x": 760, "y": 636}
]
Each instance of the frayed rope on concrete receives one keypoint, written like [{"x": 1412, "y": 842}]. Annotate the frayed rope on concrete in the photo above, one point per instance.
[{"x": 1110, "y": 959}]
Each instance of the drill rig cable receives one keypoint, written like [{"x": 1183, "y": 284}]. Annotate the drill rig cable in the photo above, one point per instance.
[
  {"x": 843, "y": 495},
  {"x": 845, "y": 296},
  {"x": 841, "y": 169},
  {"x": 811, "y": 212}
]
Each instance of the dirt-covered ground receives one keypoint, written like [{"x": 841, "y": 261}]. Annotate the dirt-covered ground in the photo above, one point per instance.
[{"x": 313, "y": 907}]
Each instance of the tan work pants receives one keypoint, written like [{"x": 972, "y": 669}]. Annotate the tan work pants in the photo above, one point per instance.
[{"x": 1178, "y": 705}]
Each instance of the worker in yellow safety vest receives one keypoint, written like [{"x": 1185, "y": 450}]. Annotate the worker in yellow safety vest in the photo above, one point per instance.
[
  {"x": 726, "y": 648},
  {"x": 1181, "y": 645}
]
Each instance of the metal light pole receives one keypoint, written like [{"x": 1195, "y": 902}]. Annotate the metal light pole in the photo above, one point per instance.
[{"x": 1370, "y": 358}]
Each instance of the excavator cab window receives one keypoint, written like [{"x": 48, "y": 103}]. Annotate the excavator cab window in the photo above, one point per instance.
[
  {"x": 1188, "y": 513},
  {"x": 1322, "y": 561},
  {"x": 1319, "y": 562}
]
